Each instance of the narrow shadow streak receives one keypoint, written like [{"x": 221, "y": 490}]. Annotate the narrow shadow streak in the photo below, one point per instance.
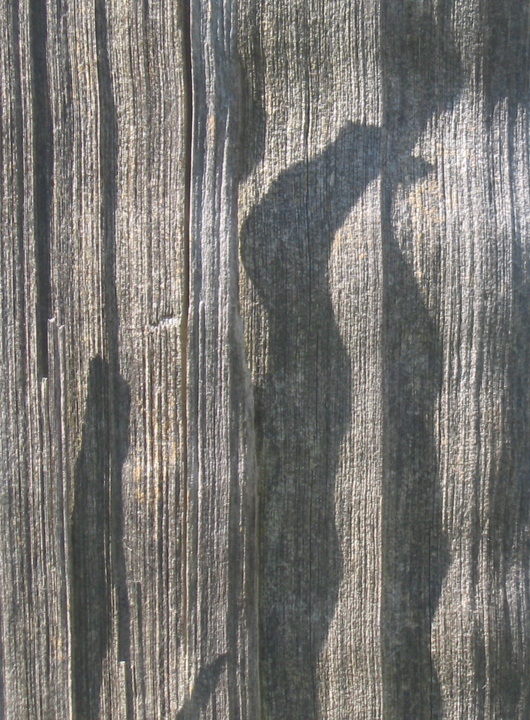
[
  {"x": 108, "y": 158},
  {"x": 91, "y": 538},
  {"x": 100, "y": 594}
]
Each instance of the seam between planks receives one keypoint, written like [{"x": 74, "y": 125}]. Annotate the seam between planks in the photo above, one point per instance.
[{"x": 188, "y": 125}]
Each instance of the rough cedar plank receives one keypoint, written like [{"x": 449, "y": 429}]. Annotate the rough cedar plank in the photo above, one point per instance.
[
  {"x": 147, "y": 49},
  {"x": 34, "y": 632},
  {"x": 82, "y": 268},
  {"x": 483, "y": 419},
  {"x": 12, "y": 338},
  {"x": 127, "y": 102}
]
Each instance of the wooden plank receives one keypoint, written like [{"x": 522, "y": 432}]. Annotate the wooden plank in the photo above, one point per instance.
[
  {"x": 421, "y": 80},
  {"x": 483, "y": 423},
  {"x": 94, "y": 142},
  {"x": 33, "y": 604},
  {"x": 412, "y": 324},
  {"x": 148, "y": 58},
  {"x": 221, "y": 491}
]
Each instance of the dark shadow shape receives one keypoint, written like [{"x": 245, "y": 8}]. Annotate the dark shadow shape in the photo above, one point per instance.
[
  {"x": 421, "y": 77},
  {"x": 415, "y": 554},
  {"x": 303, "y": 409},
  {"x": 91, "y": 590},
  {"x": 91, "y": 538},
  {"x": 502, "y": 61},
  {"x": 204, "y": 687}
]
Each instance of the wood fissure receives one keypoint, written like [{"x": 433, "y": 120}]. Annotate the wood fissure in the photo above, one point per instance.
[
  {"x": 42, "y": 175},
  {"x": 185, "y": 10}
]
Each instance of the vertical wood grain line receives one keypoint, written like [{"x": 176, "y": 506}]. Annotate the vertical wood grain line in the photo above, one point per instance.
[
  {"x": 185, "y": 14},
  {"x": 118, "y": 391},
  {"x": 42, "y": 175}
]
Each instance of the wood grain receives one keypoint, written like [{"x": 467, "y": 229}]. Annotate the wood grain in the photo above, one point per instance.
[
  {"x": 264, "y": 429},
  {"x": 95, "y": 138},
  {"x": 383, "y": 245}
]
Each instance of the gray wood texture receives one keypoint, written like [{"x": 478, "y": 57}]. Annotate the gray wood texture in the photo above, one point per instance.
[{"x": 265, "y": 294}]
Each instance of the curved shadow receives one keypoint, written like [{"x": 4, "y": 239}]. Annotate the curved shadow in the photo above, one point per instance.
[
  {"x": 414, "y": 547},
  {"x": 421, "y": 76},
  {"x": 302, "y": 411},
  {"x": 416, "y": 89},
  {"x": 502, "y": 57},
  {"x": 302, "y": 402}
]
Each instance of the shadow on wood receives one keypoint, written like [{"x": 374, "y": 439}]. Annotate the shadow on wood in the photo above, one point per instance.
[
  {"x": 203, "y": 689},
  {"x": 302, "y": 411},
  {"x": 92, "y": 522},
  {"x": 421, "y": 76}
]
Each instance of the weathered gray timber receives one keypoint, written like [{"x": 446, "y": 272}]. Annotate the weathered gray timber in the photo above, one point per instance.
[
  {"x": 94, "y": 114},
  {"x": 221, "y": 598},
  {"x": 265, "y": 360}
]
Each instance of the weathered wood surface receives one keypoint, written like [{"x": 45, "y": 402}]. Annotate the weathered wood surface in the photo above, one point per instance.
[
  {"x": 265, "y": 443},
  {"x": 94, "y": 114}
]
